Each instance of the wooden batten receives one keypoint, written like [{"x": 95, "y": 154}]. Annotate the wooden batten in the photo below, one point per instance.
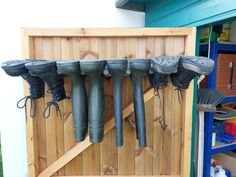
[{"x": 51, "y": 147}]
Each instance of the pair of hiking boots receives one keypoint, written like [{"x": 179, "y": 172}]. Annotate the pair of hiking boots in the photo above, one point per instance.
[
  {"x": 37, "y": 73},
  {"x": 181, "y": 70}
]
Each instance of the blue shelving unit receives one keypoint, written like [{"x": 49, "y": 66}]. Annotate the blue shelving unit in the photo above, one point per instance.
[
  {"x": 215, "y": 49},
  {"x": 222, "y": 148}
]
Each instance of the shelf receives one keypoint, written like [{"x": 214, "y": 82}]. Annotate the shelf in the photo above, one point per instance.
[
  {"x": 229, "y": 99},
  {"x": 220, "y": 147},
  {"x": 221, "y": 42},
  {"x": 219, "y": 46}
]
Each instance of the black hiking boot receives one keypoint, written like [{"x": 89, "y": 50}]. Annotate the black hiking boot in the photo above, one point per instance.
[
  {"x": 36, "y": 85},
  {"x": 161, "y": 67},
  {"x": 190, "y": 67},
  {"x": 47, "y": 71}
]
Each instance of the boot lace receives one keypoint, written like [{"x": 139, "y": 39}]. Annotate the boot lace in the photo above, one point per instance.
[
  {"x": 158, "y": 81},
  {"x": 36, "y": 89},
  {"x": 32, "y": 105},
  {"x": 182, "y": 79},
  {"x": 47, "y": 110},
  {"x": 55, "y": 87}
]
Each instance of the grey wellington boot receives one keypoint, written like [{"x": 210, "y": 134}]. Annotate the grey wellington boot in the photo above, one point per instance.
[
  {"x": 47, "y": 71},
  {"x": 36, "y": 85},
  {"x": 190, "y": 67},
  {"x": 79, "y": 100},
  {"x": 161, "y": 67},
  {"x": 139, "y": 68},
  {"x": 118, "y": 69},
  {"x": 94, "y": 71}
]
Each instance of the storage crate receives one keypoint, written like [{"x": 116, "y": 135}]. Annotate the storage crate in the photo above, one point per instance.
[{"x": 51, "y": 147}]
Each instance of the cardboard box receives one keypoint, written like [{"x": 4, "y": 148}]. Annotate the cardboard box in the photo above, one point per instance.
[{"x": 228, "y": 161}]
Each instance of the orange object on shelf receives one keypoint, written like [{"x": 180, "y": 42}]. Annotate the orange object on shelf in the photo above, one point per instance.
[{"x": 229, "y": 106}]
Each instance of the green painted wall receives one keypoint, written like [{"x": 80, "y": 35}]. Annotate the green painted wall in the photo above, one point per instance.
[{"x": 173, "y": 13}]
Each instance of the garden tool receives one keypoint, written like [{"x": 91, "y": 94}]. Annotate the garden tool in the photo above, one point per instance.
[
  {"x": 118, "y": 69},
  {"x": 139, "y": 68},
  {"x": 207, "y": 100},
  {"x": 190, "y": 67},
  {"x": 94, "y": 71},
  {"x": 36, "y": 85},
  {"x": 79, "y": 101},
  {"x": 47, "y": 71},
  {"x": 161, "y": 67}
]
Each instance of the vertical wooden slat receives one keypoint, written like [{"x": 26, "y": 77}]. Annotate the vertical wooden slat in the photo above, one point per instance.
[
  {"x": 187, "y": 111},
  {"x": 60, "y": 121},
  {"x": 148, "y": 152},
  {"x": 41, "y": 122},
  {"x": 91, "y": 160},
  {"x": 89, "y": 50},
  {"x": 158, "y": 135},
  {"x": 67, "y": 51},
  {"x": 165, "y": 156},
  {"x": 126, "y": 153},
  {"x": 149, "y": 109},
  {"x": 108, "y": 149},
  {"x": 31, "y": 126},
  {"x": 140, "y": 153},
  {"x": 51, "y": 46},
  {"x": 75, "y": 45},
  {"x": 108, "y": 153},
  {"x": 126, "y": 48},
  {"x": 176, "y": 122},
  {"x": 143, "y": 158}
]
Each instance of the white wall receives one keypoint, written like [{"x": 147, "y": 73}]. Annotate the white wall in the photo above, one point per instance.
[{"x": 15, "y": 14}]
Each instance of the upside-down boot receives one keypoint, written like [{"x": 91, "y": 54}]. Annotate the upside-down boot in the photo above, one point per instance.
[
  {"x": 79, "y": 100},
  {"x": 190, "y": 67},
  {"x": 139, "y": 68},
  {"x": 117, "y": 68},
  {"x": 47, "y": 71},
  {"x": 161, "y": 67},
  {"x": 36, "y": 85},
  {"x": 96, "y": 105}
]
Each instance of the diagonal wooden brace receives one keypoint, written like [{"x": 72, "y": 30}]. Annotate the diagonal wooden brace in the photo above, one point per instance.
[{"x": 80, "y": 147}]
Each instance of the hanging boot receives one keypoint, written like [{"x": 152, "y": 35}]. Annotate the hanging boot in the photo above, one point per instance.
[
  {"x": 190, "y": 67},
  {"x": 161, "y": 67},
  {"x": 117, "y": 68},
  {"x": 47, "y": 71},
  {"x": 79, "y": 102},
  {"x": 36, "y": 85},
  {"x": 139, "y": 68},
  {"x": 94, "y": 71}
]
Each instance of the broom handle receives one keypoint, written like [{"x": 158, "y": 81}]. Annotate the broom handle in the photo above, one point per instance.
[{"x": 200, "y": 144}]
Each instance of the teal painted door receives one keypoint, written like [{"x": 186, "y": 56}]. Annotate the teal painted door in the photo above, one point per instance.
[{"x": 175, "y": 13}]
